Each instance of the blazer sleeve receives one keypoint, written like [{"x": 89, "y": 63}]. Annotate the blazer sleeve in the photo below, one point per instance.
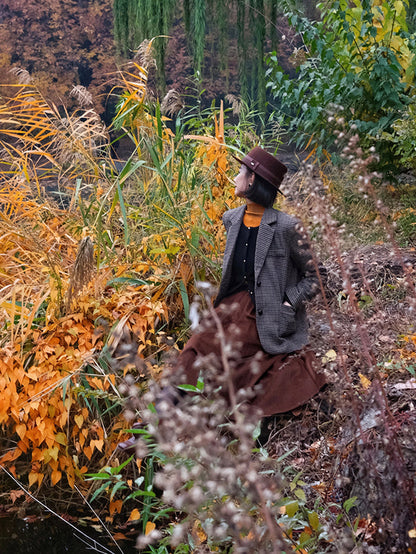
[{"x": 301, "y": 256}]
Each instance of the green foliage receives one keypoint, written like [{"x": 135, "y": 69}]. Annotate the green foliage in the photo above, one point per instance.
[
  {"x": 356, "y": 64},
  {"x": 198, "y": 33},
  {"x": 209, "y": 27},
  {"x": 402, "y": 137},
  {"x": 139, "y": 20},
  {"x": 112, "y": 482},
  {"x": 172, "y": 198}
]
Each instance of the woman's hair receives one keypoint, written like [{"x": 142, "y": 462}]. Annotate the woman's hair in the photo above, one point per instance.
[{"x": 261, "y": 192}]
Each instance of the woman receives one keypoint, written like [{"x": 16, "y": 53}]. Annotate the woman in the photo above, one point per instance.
[{"x": 267, "y": 276}]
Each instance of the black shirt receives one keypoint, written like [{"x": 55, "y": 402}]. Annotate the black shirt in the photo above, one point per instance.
[{"x": 242, "y": 273}]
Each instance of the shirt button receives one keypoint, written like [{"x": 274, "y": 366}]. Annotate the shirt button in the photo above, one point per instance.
[
  {"x": 260, "y": 312},
  {"x": 244, "y": 261},
  {"x": 258, "y": 283}
]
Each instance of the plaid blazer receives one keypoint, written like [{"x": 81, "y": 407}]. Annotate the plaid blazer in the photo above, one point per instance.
[{"x": 283, "y": 269}]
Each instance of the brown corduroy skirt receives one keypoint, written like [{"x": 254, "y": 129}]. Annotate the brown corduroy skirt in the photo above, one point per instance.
[{"x": 280, "y": 382}]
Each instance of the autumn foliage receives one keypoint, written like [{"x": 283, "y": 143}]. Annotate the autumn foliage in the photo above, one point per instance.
[{"x": 61, "y": 359}]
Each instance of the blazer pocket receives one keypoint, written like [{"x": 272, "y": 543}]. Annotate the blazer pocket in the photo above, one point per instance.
[
  {"x": 288, "y": 320},
  {"x": 276, "y": 251}
]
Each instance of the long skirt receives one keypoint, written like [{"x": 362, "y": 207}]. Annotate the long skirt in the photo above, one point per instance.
[{"x": 280, "y": 382}]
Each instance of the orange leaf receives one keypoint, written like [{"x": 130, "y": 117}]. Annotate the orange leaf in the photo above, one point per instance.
[
  {"x": 365, "y": 382},
  {"x": 119, "y": 536},
  {"x": 10, "y": 455},
  {"x": 150, "y": 526},
  {"x": 21, "y": 430},
  {"x": 14, "y": 495},
  {"x": 97, "y": 444},
  {"x": 71, "y": 479},
  {"x": 115, "y": 506},
  {"x": 88, "y": 452},
  {"x": 135, "y": 515},
  {"x": 55, "y": 476}
]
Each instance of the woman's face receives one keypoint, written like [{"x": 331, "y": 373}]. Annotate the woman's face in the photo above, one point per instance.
[{"x": 243, "y": 180}]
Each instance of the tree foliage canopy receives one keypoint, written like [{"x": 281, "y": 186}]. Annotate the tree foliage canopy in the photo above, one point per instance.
[
  {"x": 357, "y": 62},
  {"x": 237, "y": 30}
]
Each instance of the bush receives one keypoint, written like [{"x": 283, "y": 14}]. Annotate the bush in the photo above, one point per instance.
[{"x": 357, "y": 64}]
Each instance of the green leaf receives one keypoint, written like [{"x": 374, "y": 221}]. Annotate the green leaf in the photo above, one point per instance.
[
  {"x": 127, "y": 281},
  {"x": 349, "y": 503},
  {"x": 137, "y": 494},
  {"x": 313, "y": 520},
  {"x": 285, "y": 455},
  {"x": 200, "y": 384},
  {"x": 115, "y": 470},
  {"x": 103, "y": 487},
  {"x": 123, "y": 213},
  {"x": 188, "y": 388},
  {"x": 96, "y": 476},
  {"x": 185, "y": 298},
  {"x": 292, "y": 508},
  {"x": 121, "y": 485},
  {"x": 300, "y": 494},
  {"x": 257, "y": 431},
  {"x": 304, "y": 538}
]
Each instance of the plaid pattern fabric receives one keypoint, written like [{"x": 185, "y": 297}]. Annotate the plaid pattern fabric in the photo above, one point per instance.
[{"x": 283, "y": 269}]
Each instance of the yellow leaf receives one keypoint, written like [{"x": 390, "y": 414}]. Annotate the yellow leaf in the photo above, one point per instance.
[
  {"x": 330, "y": 356},
  {"x": 150, "y": 526},
  {"x": 53, "y": 453},
  {"x": 135, "y": 515},
  {"x": 197, "y": 529},
  {"x": 33, "y": 478},
  {"x": 304, "y": 536},
  {"x": 365, "y": 382},
  {"x": 61, "y": 438},
  {"x": 21, "y": 430},
  {"x": 412, "y": 533},
  {"x": 79, "y": 420}
]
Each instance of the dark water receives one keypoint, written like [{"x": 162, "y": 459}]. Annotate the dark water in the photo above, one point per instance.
[{"x": 52, "y": 536}]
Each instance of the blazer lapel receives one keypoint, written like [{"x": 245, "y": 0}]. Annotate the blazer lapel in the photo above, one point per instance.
[{"x": 264, "y": 238}]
